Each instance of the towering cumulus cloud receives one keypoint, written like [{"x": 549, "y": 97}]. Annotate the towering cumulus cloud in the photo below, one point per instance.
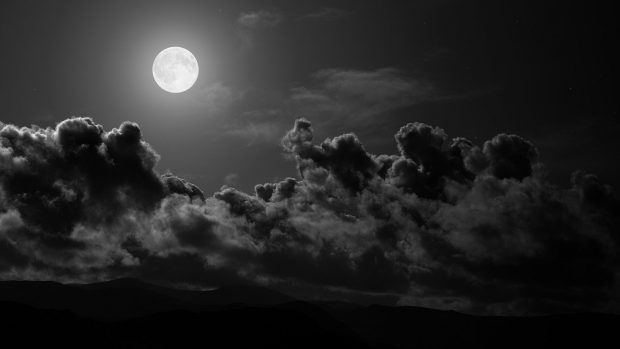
[{"x": 443, "y": 223}]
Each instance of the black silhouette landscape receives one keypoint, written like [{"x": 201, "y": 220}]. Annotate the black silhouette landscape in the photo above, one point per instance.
[{"x": 132, "y": 313}]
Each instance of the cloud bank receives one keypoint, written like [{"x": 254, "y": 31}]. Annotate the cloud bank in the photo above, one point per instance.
[{"x": 443, "y": 222}]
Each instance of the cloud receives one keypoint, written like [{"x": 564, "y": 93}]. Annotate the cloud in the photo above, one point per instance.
[
  {"x": 217, "y": 97},
  {"x": 263, "y": 131},
  {"x": 328, "y": 14},
  {"x": 67, "y": 185},
  {"x": 258, "y": 126},
  {"x": 231, "y": 179},
  {"x": 359, "y": 94},
  {"x": 444, "y": 222},
  {"x": 259, "y": 19},
  {"x": 249, "y": 23},
  {"x": 336, "y": 98}
]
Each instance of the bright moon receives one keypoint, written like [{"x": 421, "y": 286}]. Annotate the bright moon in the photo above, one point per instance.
[{"x": 175, "y": 69}]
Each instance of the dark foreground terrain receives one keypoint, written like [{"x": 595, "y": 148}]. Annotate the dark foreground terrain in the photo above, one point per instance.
[{"x": 130, "y": 313}]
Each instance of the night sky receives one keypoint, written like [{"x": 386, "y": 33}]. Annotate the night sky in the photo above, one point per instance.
[{"x": 471, "y": 156}]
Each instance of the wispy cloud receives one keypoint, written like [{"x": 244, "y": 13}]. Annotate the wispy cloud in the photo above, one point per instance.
[
  {"x": 362, "y": 94},
  {"x": 248, "y": 23},
  {"x": 262, "y": 131},
  {"x": 328, "y": 14},
  {"x": 336, "y": 96},
  {"x": 217, "y": 97},
  {"x": 259, "y": 19},
  {"x": 231, "y": 179}
]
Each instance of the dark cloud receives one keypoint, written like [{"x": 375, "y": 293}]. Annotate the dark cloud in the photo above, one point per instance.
[
  {"x": 442, "y": 223},
  {"x": 344, "y": 156},
  {"x": 510, "y": 156},
  {"x": 178, "y": 185},
  {"x": 65, "y": 190}
]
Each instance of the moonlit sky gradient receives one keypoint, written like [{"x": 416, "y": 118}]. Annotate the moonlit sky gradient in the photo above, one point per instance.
[{"x": 475, "y": 68}]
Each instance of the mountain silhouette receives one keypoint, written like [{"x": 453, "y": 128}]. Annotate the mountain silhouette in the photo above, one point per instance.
[
  {"x": 133, "y": 313},
  {"x": 124, "y": 298},
  {"x": 226, "y": 295}
]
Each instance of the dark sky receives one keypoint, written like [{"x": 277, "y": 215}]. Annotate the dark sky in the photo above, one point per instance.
[
  {"x": 447, "y": 180},
  {"x": 545, "y": 71}
]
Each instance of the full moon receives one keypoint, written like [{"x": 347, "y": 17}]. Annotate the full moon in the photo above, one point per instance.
[{"x": 175, "y": 69}]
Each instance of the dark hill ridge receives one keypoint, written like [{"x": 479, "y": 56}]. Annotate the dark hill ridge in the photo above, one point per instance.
[
  {"x": 129, "y": 312},
  {"x": 125, "y": 298},
  {"x": 225, "y": 295}
]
